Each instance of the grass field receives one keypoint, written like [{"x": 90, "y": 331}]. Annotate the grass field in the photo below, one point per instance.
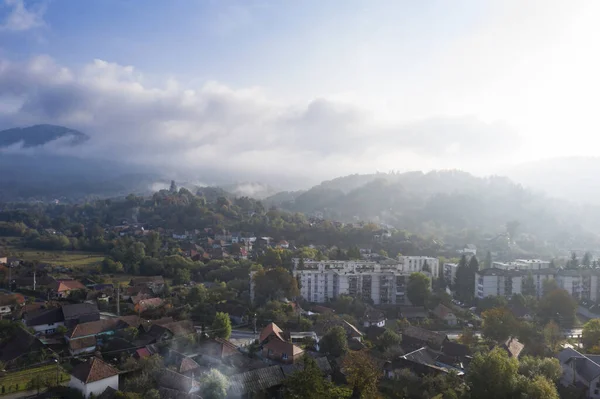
[
  {"x": 69, "y": 259},
  {"x": 31, "y": 378}
]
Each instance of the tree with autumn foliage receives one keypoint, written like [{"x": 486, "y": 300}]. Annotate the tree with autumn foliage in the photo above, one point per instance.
[
  {"x": 362, "y": 374},
  {"x": 498, "y": 324}
]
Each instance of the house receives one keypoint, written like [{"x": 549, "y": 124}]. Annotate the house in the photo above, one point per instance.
[
  {"x": 283, "y": 244},
  {"x": 422, "y": 361},
  {"x": 513, "y": 347},
  {"x": 521, "y": 312},
  {"x": 165, "y": 332},
  {"x": 413, "y": 313},
  {"x": 373, "y": 317},
  {"x": 173, "y": 380},
  {"x": 275, "y": 346},
  {"x": 80, "y": 313},
  {"x": 253, "y": 382},
  {"x": 217, "y": 348},
  {"x": 580, "y": 370},
  {"x": 416, "y": 337},
  {"x": 445, "y": 314},
  {"x": 148, "y": 304},
  {"x": 155, "y": 283},
  {"x": 62, "y": 288},
  {"x": 44, "y": 321},
  {"x": 22, "y": 344},
  {"x": 285, "y": 352},
  {"x": 10, "y": 303},
  {"x": 82, "y": 345},
  {"x": 93, "y": 377}
]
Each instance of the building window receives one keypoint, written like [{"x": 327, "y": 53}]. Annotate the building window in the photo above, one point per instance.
[{"x": 284, "y": 356}]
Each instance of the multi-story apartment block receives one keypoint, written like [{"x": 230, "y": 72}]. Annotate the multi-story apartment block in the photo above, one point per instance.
[
  {"x": 450, "y": 272},
  {"x": 581, "y": 283},
  {"x": 384, "y": 282},
  {"x": 417, "y": 263},
  {"x": 500, "y": 282},
  {"x": 522, "y": 264}
]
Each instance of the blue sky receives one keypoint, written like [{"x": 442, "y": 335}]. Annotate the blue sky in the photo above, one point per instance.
[{"x": 347, "y": 86}]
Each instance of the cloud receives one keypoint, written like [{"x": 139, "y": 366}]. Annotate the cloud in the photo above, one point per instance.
[
  {"x": 21, "y": 17},
  {"x": 216, "y": 130}
]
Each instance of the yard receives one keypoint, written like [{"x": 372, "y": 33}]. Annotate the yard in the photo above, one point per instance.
[{"x": 31, "y": 379}]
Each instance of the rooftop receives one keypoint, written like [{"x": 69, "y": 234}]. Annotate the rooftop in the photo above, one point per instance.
[{"x": 93, "y": 370}]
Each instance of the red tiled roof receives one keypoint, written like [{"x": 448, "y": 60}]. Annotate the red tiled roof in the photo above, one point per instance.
[
  {"x": 146, "y": 304},
  {"x": 271, "y": 328},
  {"x": 68, "y": 285},
  {"x": 94, "y": 327},
  {"x": 187, "y": 364},
  {"x": 93, "y": 370},
  {"x": 81, "y": 343},
  {"x": 281, "y": 347},
  {"x": 142, "y": 353}
]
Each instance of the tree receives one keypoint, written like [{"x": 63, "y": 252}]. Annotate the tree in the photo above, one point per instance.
[
  {"x": 464, "y": 282},
  {"x": 488, "y": 260},
  {"x": 362, "y": 374},
  {"x": 474, "y": 266},
  {"x": 552, "y": 335},
  {"x": 498, "y": 324},
  {"x": 559, "y": 306},
  {"x": 417, "y": 288},
  {"x": 353, "y": 252},
  {"x": 214, "y": 385},
  {"x": 547, "y": 367},
  {"x": 586, "y": 261},
  {"x": 388, "y": 339},
  {"x": 591, "y": 334},
  {"x": 426, "y": 267},
  {"x": 221, "y": 327},
  {"x": 335, "y": 342},
  {"x": 309, "y": 383},
  {"x": 468, "y": 337},
  {"x": 182, "y": 276},
  {"x": 574, "y": 262},
  {"x": 511, "y": 229},
  {"x": 275, "y": 283},
  {"x": 537, "y": 388},
  {"x": 493, "y": 375},
  {"x": 528, "y": 287},
  {"x": 173, "y": 187}
]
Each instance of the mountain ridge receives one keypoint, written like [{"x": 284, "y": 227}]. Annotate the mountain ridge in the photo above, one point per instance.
[{"x": 39, "y": 135}]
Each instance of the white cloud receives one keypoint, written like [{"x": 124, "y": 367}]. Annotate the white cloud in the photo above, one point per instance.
[
  {"x": 240, "y": 133},
  {"x": 21, "y": 17}
]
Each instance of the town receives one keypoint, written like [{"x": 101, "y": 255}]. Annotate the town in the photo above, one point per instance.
[{"x": 141, "y": 308}]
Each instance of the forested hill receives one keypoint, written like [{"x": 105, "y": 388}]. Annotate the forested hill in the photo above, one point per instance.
[
  {"x": 38, "y": 135},
  {"x": 445, "y": 203}
]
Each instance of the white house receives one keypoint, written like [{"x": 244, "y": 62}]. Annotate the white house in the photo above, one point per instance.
[
  {"x": 93, "y": 377},
  {"x": 44, "y": 321},
  {"x": 446, "y": 314}
]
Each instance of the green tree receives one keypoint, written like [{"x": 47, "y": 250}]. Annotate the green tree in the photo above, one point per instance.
[
  {"x": 547, "y": 367},
  {"x": 528, "y": 287},
  {"x": 488, "y": 260},
  {"x": 417, "y": 288},
  {"x": 309, "y": 383},
  {"x": 498, "y": 324},
  {"x": 221, "y": 327},
  {"x": 464, "y": 281},
  {"x": 493, "y": 375},
  {"x": 591, "y": 334},
  {"x": 353, "y": 252},
  {"x": 275, "y": 283},
  {"x": 574, "y": 262},
  {"x": 362, "y": 375},
  {"x": 537, "y": 388},
  {"x": 474, "y": 266},
  {"x": 182, "y": 276},
  {"x": 214, "y": 385},
  {"x": 552, "y": 335},
  {"x": 559, "y": 306},
  {"x": 586, "y": 261},
  {"x": 388, "y": 339},
  {"x": 335, "y": 342}
]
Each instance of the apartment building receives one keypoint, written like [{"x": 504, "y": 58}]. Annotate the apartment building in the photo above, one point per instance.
[
  {"x": 417, "y": 263},
  {"x": 522, "y": 264},
  {"x": 501, "y": 282},
  {"x": 581, "y": 283},
  {"x": 384, "y": 282},
  {"x": 450, "y": 272}
]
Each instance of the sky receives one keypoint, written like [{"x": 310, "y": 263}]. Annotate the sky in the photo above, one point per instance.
[{"x": 284, "y": 91}]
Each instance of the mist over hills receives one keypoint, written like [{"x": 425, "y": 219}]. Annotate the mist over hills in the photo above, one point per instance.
[{"x": 451, "y": 204}]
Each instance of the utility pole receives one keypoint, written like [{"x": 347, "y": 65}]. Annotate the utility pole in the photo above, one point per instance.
[
  {"x": 9, "y": 277},
  {"x": 34, "y": 280},
  {"x": 118, "y": 299}
]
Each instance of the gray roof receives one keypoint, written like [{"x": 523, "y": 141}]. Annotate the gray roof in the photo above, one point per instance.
[
  {"x": 422, "y": 356},
  {"x": 255, "y": 381},
  {"x": 322, "y": 363},
  {"x": 586, "y": 366},
  {"x": 167, "y": 393},
  {"x": 79, "y": 309},
  {"x": 173, "y": 380}
]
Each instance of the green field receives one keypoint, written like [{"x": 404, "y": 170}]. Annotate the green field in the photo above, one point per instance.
[
  {"x": 31, "y": 379},
  {"x": 61, "y": 258}
]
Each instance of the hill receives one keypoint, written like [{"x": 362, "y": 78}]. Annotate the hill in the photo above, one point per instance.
[
  {"x": 38, "y": 135},
  {"x": 453, "y": 205}
]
